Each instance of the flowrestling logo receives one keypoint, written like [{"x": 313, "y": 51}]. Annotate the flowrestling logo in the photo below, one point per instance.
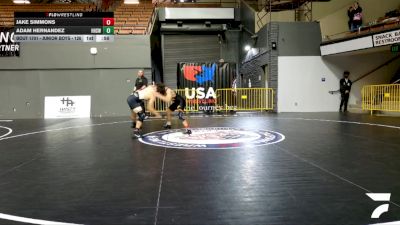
[
  {"x": 380, "y": 197},
  {"x": 199, "y": 74},
  {"x": 212, "y": 138}
]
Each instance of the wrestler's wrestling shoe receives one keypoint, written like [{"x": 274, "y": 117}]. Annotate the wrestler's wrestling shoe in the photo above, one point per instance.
[
  {"x": 137, "y": 133},
  {"x": 167, "y": 126},
  {"x": 187, "y": 131}
]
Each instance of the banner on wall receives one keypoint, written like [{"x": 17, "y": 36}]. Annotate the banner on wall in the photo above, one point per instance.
[
  {"x": 8, "y": 46},
  {"x": 67, "y": 107},
  {"x": 201, "y": 80}
]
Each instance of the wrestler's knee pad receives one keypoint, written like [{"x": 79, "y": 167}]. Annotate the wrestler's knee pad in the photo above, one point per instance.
[
  {"x": 181, "y": 115},
  {"x": 140, "y": 113},
  {"x": 142, "y": 116},
  {"x": 138, "y": 109}
]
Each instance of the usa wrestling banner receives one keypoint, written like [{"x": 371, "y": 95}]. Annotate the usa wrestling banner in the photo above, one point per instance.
[{"x": 200, "y": 80}]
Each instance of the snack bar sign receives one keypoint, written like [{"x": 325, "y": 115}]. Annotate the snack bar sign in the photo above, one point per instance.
[{"x": 387, "y": 38}]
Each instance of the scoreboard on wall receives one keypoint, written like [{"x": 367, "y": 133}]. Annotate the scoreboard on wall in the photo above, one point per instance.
[{"x": 64, "y": 26}]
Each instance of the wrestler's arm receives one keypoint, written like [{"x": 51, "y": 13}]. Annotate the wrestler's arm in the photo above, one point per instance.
[
  {"x": 150, "y": 107},
  {"x": 166, "y": 98}
]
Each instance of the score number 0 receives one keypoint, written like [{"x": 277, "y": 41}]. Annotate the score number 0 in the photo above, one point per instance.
[
  {"x": 108, "y": 21},
  {"x": 108, "y": 25}
]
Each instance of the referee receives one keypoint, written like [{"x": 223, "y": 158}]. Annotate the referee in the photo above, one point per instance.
[{"x": 141, "y": 81}]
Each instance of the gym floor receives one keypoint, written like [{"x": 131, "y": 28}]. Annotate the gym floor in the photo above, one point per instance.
[{"x": 90, "y": 171}]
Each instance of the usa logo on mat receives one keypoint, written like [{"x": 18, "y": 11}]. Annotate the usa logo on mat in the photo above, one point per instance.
[{"x": 212, "y": 138}]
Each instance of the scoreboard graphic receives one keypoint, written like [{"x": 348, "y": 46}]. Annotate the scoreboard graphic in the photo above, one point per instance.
[{"x": 64, "y": 26}]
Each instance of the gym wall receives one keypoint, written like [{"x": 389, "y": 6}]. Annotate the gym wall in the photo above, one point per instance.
[
  {"x": 361, "y": 63},
  {"x": 282, "y": 16},
  {"x": 333, "y": 22},
  {"x": 65, "y": 69},
  {"x": 332, "y": 15},
  {"x": 301, "y": 88},
  {"x": 296, "y": 39}
]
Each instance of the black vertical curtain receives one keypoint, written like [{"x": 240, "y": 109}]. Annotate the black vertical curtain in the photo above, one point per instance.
[{"x": 187, "y": 48}]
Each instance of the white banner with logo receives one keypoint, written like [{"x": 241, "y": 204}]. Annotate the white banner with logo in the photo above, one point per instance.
[
  {"x": 387, "y": 38},
  {"x": 67, "y": 106}
]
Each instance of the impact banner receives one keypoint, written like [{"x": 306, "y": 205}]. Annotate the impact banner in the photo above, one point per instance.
[
  {"x": 67, "y": 107},
  {"x": 201, "y": 80},
  {"x": 8, "y": 46}
]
